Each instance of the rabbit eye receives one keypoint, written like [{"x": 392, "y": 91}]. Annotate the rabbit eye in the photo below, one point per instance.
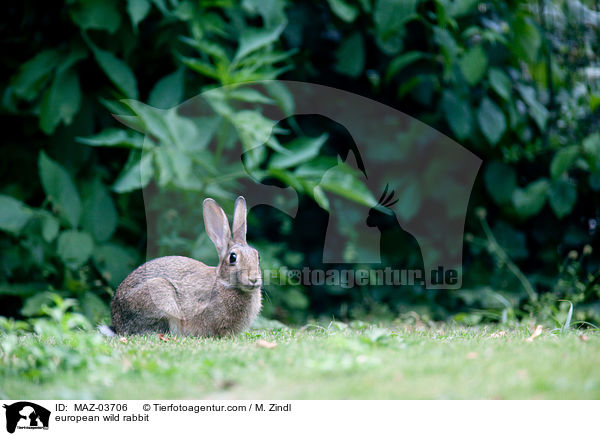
[{"x": 232, "y": 257}]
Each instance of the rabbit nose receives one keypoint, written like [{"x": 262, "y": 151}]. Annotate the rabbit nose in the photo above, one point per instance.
[{"x": 253, "y": 281}]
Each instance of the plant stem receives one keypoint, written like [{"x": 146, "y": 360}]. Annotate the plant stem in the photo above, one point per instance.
[{"x": 501, "y": 254}]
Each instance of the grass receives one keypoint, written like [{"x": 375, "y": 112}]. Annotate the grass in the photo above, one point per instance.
[{"x": 335, "y": 362}]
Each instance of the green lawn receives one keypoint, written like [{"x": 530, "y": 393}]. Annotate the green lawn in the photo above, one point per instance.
[{"x": 334, "y": 362}]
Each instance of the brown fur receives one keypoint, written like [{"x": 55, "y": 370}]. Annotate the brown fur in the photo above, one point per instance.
[{"x": 180, "y": 295}]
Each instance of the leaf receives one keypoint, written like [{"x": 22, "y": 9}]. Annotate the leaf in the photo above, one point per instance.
[
  {"x": 265, "y": 344},
  {"x": 299, "y": 150},
  {"x": 594, "y": 102},
  {"x": 459, "y": 8},
  {"x": 164, "y": 165},
  {"x": 530, "y": 200},
  {"x": 500, "y": 181},
  {"x": 562, "y": 197},
  {"x": 567, "y": 324},
  {"x": 168, "y": 91},
  {"x": 33, "y": 305},
  {"x": 537, "y": 111},
  {"x": 60, "y": 189},
  {"x": 184, "y": 11},
  {"x": 114, "y": 262},
  {"x": 99, "y": 213},
  {"x": 96, "y": 14},
  {"x": 390, "y": 17},
  {"x": 343, "y": 10},
  {"x": 94, "y": 308},
  {"x": 152, "y": 121},
  {"x": 491, "y": 120},
  {"x": 400, "y": 62},
  {"x": 272, "y": 12},
  {"x": 535, "y": 334},
  {"x": 14, "y": 214},
  {"x": 253, "y": 39},
  {"x": 50, "y": 227},
  {"x": 201, "y": 67},
  {"x": 448, "y": 50},
  {"x": 350, "y": 56},
  {"x": 137, "y": 173},
  {"x": 117, "y": 71},
  {"x": 345, "y": 183},
  {"x": 563, "y": 160},
  {"x": 138, "y": 10},
  {"x": 458, "y": 114},
  {"x": 320, "y": 197},
  {"x": 591, "y": 147},
  {"x": 75, "y": 248},
  {"x": 539, "y": 114},
  {"x": 61, "y": 102},
  {"x": 473, "y": 64},
  {"x": 501, "y": 83},
  {"x": 34, "y": 73},
  {"x": 113, "y": 137},
  {"x": 526, "y": 39},
  {"x": 168, "y": 127},
  {"x": 282, "y": 96},
  {"x": 254, "y": 130}
]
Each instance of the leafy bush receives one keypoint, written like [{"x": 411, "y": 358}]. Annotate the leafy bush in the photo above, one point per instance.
[
  {"x": 511, "y": 81},
  {"x": 59, "y": 341}
]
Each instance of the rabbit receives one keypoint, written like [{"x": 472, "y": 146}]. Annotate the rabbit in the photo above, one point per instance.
[{"x": 182, "y": 296}]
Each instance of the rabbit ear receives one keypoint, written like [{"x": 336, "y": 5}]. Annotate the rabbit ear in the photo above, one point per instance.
[
  {"x": 239, "y": 221},
  {"x": 217, "y": 227}
]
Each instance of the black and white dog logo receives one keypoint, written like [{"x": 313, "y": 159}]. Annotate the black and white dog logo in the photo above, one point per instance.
[{"x": 26, "y": 415}]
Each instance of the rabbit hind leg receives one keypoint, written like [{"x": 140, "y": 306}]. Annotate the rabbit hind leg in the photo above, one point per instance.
[{"x": 153, "y": 306}]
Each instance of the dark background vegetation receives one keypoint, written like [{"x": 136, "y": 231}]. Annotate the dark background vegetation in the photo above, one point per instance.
[{"x": 517, "y": 83}]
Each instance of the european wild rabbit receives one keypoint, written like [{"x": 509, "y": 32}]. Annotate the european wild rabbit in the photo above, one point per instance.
[{"x": 180, "y": 295}]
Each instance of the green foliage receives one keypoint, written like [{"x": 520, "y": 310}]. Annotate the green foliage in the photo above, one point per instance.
[
  {"x": 13, "y": 214},
  {"x": 75, "y": 248},
  {"x": 458, "y": 114},
  {"x": 491, "y": 121},
  {"x": 508, "y": 85},
  {"x": 473, "y": 65},
  {"x": 351, "y": 56},
  {"x": 501, "y": 182},
  {"x": 390, "y": 18},
  {"x": 529, "y": 201},
  {"x": 60, "y": 340},
  {"x": 117, "y": 71},
  {"x": 562, "y": 197},
  {"x": 60, "y": 189}
]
